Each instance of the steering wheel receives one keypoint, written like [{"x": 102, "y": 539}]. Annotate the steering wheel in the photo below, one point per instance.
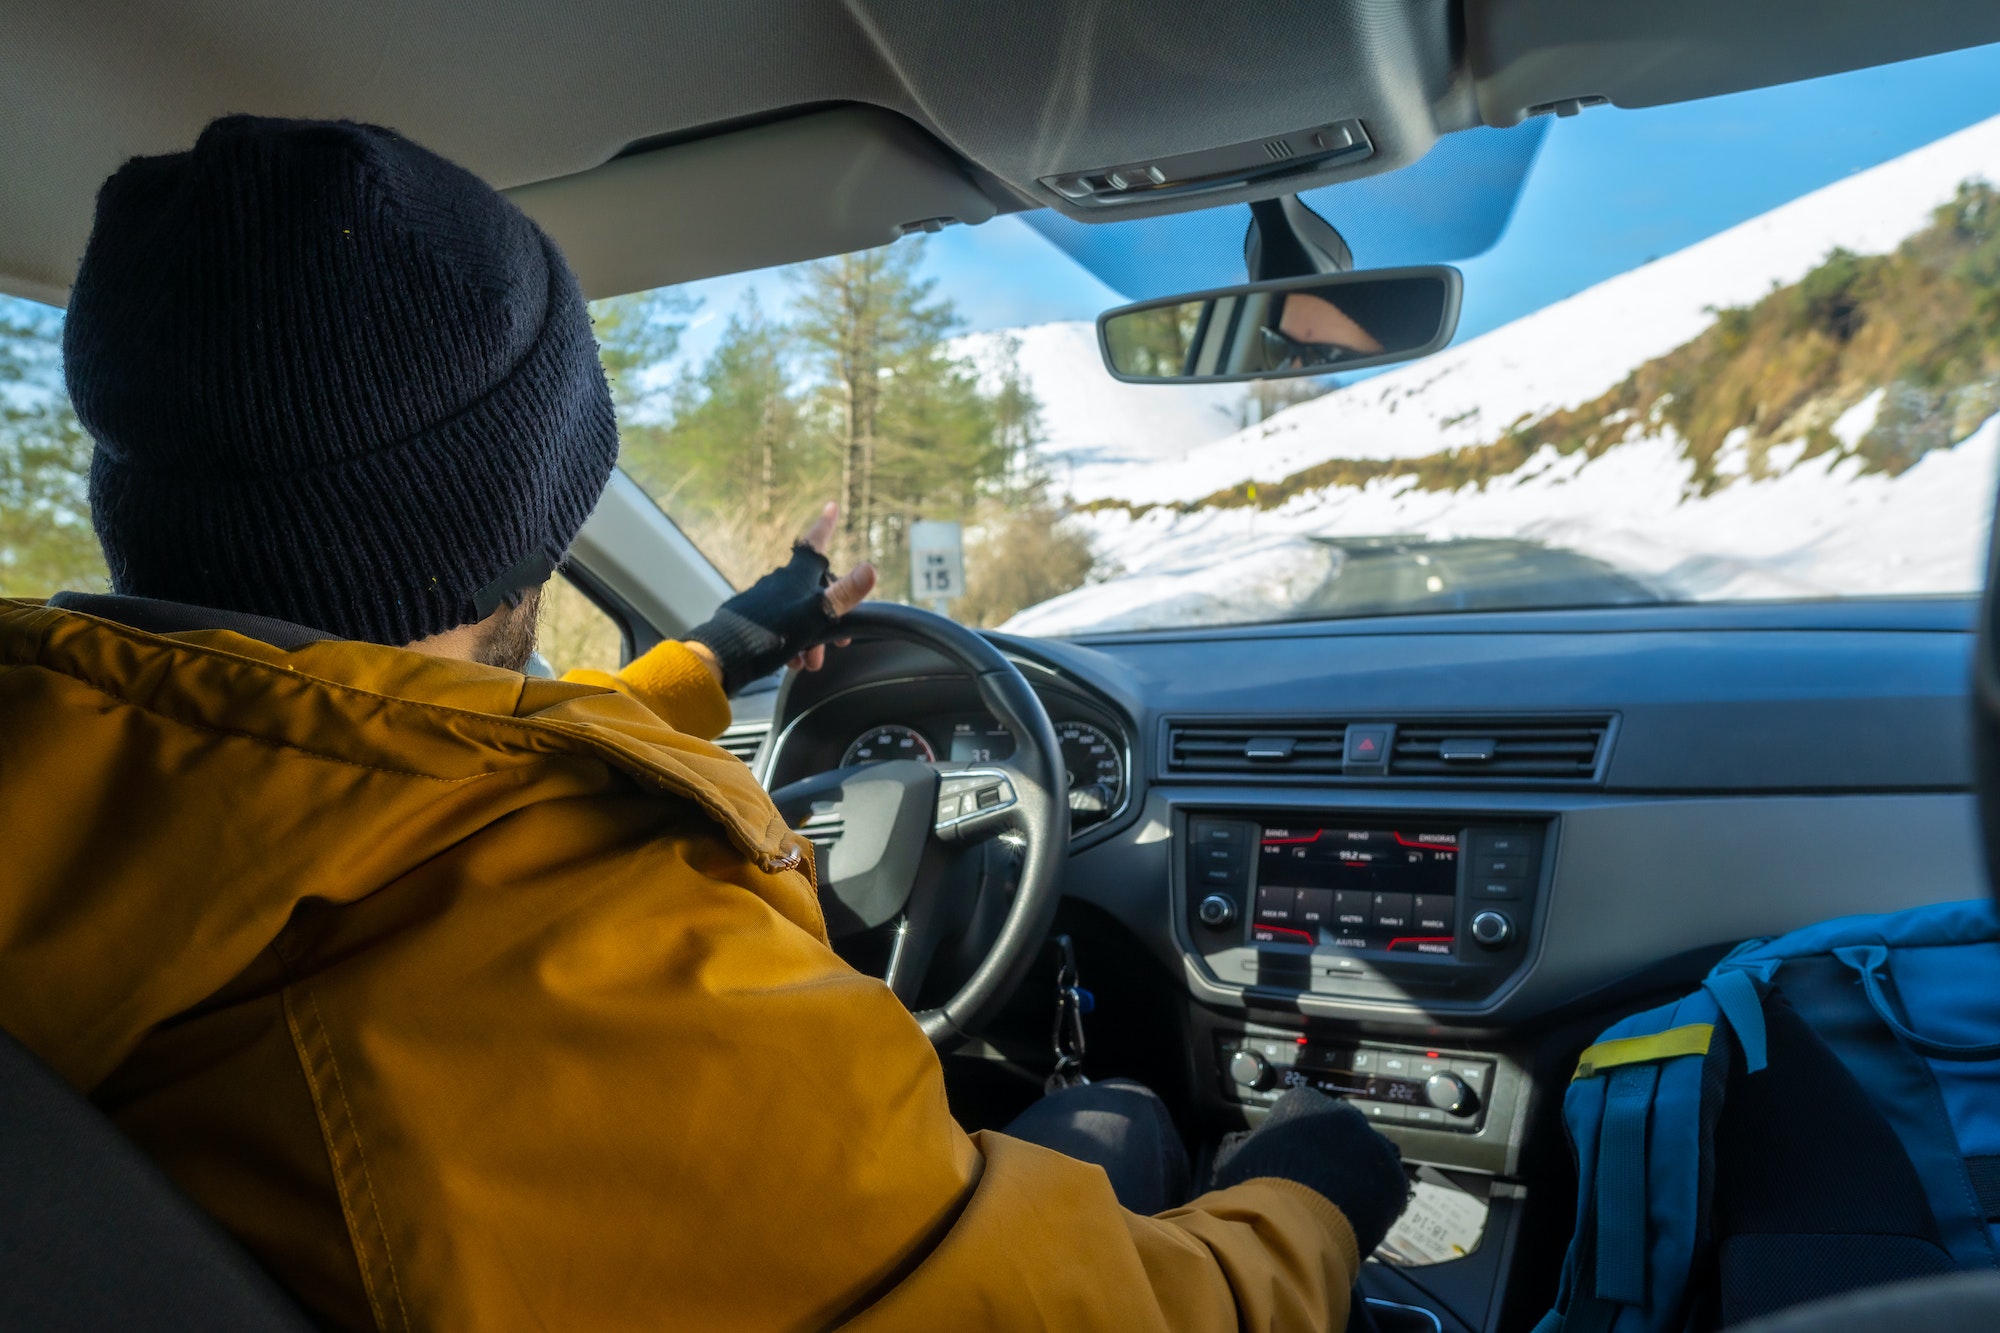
[{"x": 895, "y": 828}]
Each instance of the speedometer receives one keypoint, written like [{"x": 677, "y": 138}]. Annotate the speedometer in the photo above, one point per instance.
[
  {"x": 884, "y": 743},
  {"x": 1096, "y": 772}
]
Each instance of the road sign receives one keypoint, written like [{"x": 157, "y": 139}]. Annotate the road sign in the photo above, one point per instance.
[{"x": 937, "y": 562}]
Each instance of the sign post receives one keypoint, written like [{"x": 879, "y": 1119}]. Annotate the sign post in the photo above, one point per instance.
[{"x": 937, "y": 563}]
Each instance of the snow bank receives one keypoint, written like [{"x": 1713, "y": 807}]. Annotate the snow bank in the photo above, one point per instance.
[{"x": 1820, "y": 529}]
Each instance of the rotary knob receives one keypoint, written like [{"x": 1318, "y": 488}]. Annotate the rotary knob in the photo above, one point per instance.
[
  {"x": 1250, "y": 1069},
  {"x": 1491, "y": 930},
  {"x": 1450, "y": 1094},
  {"x": 1216, "y": 911}
]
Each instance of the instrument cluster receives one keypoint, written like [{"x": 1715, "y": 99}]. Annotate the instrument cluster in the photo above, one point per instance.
[{"x": 1093, "y": 756}]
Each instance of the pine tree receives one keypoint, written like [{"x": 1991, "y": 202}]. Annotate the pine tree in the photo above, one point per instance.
[{"x": 866, "y": 319}]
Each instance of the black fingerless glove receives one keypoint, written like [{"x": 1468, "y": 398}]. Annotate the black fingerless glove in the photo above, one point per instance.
[
  {"x": 770, "y": 622},
  {"x": 1327, "y": 1146}
]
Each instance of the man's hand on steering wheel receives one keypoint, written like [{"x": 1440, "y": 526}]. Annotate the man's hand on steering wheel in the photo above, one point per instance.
[{"x": 785, "y": 618}]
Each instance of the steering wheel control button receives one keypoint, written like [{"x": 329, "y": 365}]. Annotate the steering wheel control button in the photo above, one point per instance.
[
  {"x": 1217, "y": 910},
  {"x": 965, "y": 795},
  {"x": 1491, "y": 930},
  {"x": 1365, "y": 750},
  {"x": 1250, "y": 1070}
]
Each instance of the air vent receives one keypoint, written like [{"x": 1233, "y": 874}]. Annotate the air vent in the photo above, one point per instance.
[
  {"x": 1272, "y": 747},
  {"x": 1499, "y": 748},
  {"x": 743, "y": 741},
  {"x": 1425, "y": 751}
]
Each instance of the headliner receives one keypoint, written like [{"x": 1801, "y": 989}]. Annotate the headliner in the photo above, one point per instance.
[{"x": 987, "y": 96}]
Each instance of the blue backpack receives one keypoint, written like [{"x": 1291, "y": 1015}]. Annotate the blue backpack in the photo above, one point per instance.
[{"x": 1822, "y": 1115}]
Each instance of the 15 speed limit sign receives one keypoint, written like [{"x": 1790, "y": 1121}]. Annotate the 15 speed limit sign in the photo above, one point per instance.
[{"x": 937, "y": 562}]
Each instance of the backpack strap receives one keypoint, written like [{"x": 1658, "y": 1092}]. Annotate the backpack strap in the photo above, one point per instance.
[
  {"x": 1640, "y": 1109},
  {"x": 1743, "y": 1005}
]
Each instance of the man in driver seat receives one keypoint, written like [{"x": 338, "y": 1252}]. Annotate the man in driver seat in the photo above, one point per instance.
[{"x": 471, "y": 1000}]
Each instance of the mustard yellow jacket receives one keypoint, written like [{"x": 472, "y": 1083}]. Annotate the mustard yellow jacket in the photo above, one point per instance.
[{"x": 475, "y": 1001}]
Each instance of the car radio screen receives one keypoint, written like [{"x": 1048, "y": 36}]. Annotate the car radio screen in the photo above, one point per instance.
[{"x": 1350, "y": 888}]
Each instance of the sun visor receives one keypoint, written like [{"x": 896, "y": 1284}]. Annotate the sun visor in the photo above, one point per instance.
[
  {"x": 1531, "y": 57},
  {"x": 823, "y": 183},
  {"x": 1449, "y": 205}
]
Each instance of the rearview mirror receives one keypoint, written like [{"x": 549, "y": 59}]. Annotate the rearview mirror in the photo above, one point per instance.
[{"x": 1315, "y": 325}]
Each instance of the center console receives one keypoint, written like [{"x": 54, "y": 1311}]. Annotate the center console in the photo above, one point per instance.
[
  {"x": 1438, "y": 911},
  {"x": 1357, "y": 952}
]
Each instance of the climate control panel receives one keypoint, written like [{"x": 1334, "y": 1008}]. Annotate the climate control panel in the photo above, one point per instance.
[{"x": 1396, "y": 1085}]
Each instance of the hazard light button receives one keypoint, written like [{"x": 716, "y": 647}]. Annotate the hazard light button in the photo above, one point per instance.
[{"x": 1367, "y": 748}]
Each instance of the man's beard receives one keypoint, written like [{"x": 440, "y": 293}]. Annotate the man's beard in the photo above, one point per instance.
[{"x": 511, "y": 640}]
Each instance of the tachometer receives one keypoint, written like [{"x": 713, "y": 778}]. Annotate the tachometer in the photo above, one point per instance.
[
  {"x": 884, "y": 743},
  {"x": 1096, "y": 772}
]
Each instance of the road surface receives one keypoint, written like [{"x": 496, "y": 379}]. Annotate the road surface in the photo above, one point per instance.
[{"x": 1401, "y": 575}]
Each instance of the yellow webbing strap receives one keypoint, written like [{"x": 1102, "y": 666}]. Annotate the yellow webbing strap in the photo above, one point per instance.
[{"x": 1690, "y": 1040}]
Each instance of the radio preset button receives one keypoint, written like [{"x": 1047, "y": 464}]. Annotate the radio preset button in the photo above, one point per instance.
[
  {"x": 1353, "y": 907},
  {"x": 1274, "y": 906},
  {"x": 1435, "y": 912},
  {"x": 1314, "y": 907},
  {"x": 1392, "y": 911}
]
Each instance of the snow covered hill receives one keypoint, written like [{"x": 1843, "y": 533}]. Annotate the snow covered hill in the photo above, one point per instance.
[
  {"x": 1569, "y": 352},
  {"x": 1792, "y": 525}
]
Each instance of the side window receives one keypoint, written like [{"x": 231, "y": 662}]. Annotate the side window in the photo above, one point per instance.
[{"x": 575, "y": 632}]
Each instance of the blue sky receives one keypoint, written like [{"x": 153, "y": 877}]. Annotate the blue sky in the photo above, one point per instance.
[{"x": 1607, "y": 190}]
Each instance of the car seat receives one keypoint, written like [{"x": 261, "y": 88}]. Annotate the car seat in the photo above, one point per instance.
[{"x": 94, "y": 1236}]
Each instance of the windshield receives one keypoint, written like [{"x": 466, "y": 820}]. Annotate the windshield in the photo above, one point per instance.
[
  {"x": 1741, "y": 348},
  {"x": 1731, "y": 349}
]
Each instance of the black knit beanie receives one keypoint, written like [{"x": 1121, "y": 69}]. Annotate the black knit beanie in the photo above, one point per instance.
[{"x": 333, "y": 379}]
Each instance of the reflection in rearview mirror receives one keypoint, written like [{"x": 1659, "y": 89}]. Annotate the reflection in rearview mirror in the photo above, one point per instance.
[{"x": 1292, "y": 326}]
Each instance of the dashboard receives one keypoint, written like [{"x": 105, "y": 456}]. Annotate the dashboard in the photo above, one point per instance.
[{"x": 1388, "y": 857}]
